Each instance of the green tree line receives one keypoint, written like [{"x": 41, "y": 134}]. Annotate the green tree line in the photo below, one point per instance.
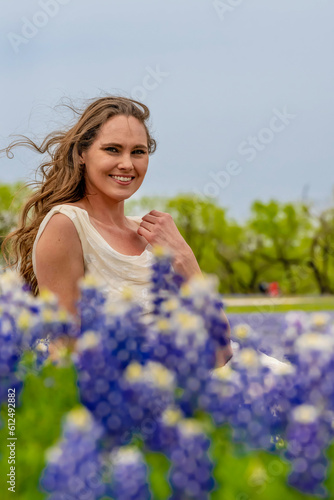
[{"x": 285, "y": 242}]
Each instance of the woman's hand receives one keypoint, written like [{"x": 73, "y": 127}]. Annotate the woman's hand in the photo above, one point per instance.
[{"x": 159, "y": 228}]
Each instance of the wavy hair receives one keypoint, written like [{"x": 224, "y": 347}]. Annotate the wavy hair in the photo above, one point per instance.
[{"x": 62, "y": 175}]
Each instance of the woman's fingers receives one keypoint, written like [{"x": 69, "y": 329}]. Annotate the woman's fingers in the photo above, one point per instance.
[
  {"x": 157, "y": 213},
  {"x": 147, "y": 225},
  {"x": 159, "y": 228},
  {"x": 150, "y": 218},
  {"x": 142, "y": 231}
]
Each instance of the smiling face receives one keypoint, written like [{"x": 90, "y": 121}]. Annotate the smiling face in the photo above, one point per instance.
[{"x": 117, "y": 160}]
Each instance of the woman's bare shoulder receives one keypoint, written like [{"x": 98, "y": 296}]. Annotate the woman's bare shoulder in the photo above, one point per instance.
[
  {"x": 59, "y": 234},
  {"x": 59, "y": 259},
  {"x": 59, "y": 254}
]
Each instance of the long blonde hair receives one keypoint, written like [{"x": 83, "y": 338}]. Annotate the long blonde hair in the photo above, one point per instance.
[{"x": 62, "y": 175}]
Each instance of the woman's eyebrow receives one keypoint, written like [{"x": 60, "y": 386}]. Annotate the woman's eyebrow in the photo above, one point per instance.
[
  {"x": 111, "y": 144},
  {"x": 120, "y": 145}
]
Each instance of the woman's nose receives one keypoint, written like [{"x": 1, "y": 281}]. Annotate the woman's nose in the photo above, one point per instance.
[{"x": 125, "y": 161}]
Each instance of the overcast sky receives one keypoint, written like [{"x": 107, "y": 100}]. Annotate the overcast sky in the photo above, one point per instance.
[{"x": 241, "y": 92}]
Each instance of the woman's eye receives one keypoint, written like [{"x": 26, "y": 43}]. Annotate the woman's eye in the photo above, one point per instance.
[
  {"x": 139, "y": 152},
  {"x": 112, "y": 149}
]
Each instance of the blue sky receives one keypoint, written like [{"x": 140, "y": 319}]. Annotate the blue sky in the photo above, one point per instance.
[{"x": 241, "y": 92}]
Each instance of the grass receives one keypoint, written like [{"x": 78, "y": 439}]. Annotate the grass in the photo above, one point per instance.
[
  {"x": 280, "y": 308},
  {"x": 319, "y": 304}
]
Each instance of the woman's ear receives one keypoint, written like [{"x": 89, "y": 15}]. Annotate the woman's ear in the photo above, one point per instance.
[
  {"x": 78, "y": 155},
  {"x": 82, "y": 158}
]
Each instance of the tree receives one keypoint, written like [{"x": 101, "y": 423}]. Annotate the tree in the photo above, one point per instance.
[
  {"x": 285, "y": 234},
  {"x": 213, "y": 238},
  {"x": 321, "y": 259}
]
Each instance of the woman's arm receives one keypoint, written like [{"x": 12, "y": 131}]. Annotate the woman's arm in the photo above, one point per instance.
[
  {"x": 224, "y": 354},
  {"x": 185, "y": 263},
  {"x": 59, "y": 260}
]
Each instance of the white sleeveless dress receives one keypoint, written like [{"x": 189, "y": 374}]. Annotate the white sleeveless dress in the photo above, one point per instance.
[{"x": 114, "y": 270}]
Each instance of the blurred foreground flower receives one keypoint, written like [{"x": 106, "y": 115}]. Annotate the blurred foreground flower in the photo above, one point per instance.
[
  {"x": 144, "y": 381},
  {"x": 74, "y": 468}
]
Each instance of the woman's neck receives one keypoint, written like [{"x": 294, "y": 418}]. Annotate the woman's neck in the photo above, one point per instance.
[{"x": 105, "y": 212}]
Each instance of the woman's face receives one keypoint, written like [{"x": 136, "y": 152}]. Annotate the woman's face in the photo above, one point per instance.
[{"x": 117, "y": 161}]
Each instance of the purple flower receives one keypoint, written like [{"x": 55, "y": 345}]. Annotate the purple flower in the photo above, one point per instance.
[
  {"x": 129, "y": 478},
  {"x": 308, "y": 435},
  {"x": 74, "y": 466},
  {"x": 191, "y": 472}
]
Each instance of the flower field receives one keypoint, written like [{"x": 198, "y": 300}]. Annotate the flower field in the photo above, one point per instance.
[{"x": 132, "y": 406}]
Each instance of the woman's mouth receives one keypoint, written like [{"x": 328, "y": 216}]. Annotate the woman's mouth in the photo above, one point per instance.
[{"x": 120, "y": 179}]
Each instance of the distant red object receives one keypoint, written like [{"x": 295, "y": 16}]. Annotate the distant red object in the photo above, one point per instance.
[{"x": 273, "y": 289}]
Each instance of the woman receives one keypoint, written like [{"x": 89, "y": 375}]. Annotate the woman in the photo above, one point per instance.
[{"x": 78, "y": 223}]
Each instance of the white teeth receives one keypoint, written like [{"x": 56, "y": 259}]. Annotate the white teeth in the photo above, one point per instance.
[{"x": 121, "y": 178}]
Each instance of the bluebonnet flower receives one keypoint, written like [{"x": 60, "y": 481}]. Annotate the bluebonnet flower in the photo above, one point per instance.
[
  {"x": 36, "y": 317},
  {"x": 314, "y": 359},
  {"x": 42, "y": 351},
  {"x": 165, "y": 282},
  {"x": 252, "y": 397},
  {"x": 308, "y": 435},
  {"x": 295, "y": 324},
  {"x": 126, "y": 332},
  {"x": 280, "y": 383},
  {"x": 320, "y": 321},
  {"x": 298, "y": 323},
  {"x": 11, "y": 336},
  {"x": 10, "y": 355},
  {"x": 191, "y": 472},
  {"x": 182, "y": 344},
  {"x": 24, "y": 322},
  {"x": 260, "y": 331},
  {"x": 98, "y": 382},
  {"x": 200, "y": 295},
  {"x": 148, "y": 378},
  {"x": 90, "y": 304},
  {"x": 286, "y": 396},
  {"x": 244, "y": 335},
  {"x": 73, "y": 470},
  {"x": 129, "y": 478},
  {"x": 223, "y": 394},
  {"x": 164, "y": 435},
  {"x": 120, "y": 391},
  {"x": 148, "y": 390},
  {"x": 242, "y": 400},
  {"x": 183, "y": 441}
]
